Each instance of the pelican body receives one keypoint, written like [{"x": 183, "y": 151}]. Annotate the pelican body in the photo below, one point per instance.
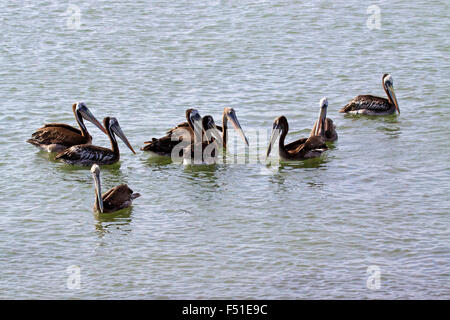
[
  {"x": 114, "y": 199},
  {"x": 323, "y": 127},
  {"x": 372, "y": 105},
  {"x": 55, "y": 137},
  {"x": 87, "y": 155},
  {"x": 309, "y": 148},
  {"x": 204, "y": 151},
  {"x": 182, "y": 132}
]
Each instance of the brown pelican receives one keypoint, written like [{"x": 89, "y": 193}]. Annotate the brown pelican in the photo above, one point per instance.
[
  {"x": 55, "y": 137},
  {"x": 371, "y": 105},
  {"x": 230, "y": 114},
  {"x": 203, "y": 150},
  {"x": 86, "y": 155},
  {"x": 184, "y": 131},
  {"x": 116, "y": 198},
  {"x": 322, "y": 127},
  {"x": 310, "y": 148}
]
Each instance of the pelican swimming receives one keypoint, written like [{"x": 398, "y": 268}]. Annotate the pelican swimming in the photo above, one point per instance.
[
  {"x": 182, "y": 132},
  {"x": 310, "y": 148},
  {"x": 371, "y": 105},
  {"x": 230, "y": 115},
  {"x": 116, "y": 198},
  {"x": 86, "y": 155},
  {"x": 204, "y": 149},
  {"x": 322, "y": 127},
  {"x": 55, "y": 137}
]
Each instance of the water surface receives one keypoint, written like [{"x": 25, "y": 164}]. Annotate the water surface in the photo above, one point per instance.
[{"x": 379, "y": 197}]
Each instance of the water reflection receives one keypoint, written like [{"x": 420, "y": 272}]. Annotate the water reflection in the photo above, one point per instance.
[
  {"x": 111, "y": 222},
  {"x": 158, "y": 161},
  {"x": 286, "y": 165},
  {"x": 203, "y": 173},
  {"x": 390, "y": 126},
  {"x": 388, "y": 123}
]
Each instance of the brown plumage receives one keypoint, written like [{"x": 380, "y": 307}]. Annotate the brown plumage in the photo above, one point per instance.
[
  {"x": 323, "y": 127},
  {"x": 182, "y": 132},
  {"x": 372, "y": 105},
  {"x": 55, "y": 137},
  {"x": 115, "y": 199},
  {"x": 204, "y": 151},
  {"x": 310, "y": 148},
  {"x": 86, "y": 155}
]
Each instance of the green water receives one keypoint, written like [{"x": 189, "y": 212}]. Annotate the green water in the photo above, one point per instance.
[{"x": 379, "y": 197}]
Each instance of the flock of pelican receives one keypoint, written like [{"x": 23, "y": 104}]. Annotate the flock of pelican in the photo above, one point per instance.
[{"x": 74, "y": 146}]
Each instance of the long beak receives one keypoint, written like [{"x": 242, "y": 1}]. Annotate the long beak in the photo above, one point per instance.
[
  {"x": 273, "y": 137},
  {"x": 86, "y": 114},
  {"x": 393, "y": 97},
  {"x": 98, "y": 191},
  {"x": 117, "y": 130},
  {"x": 235, "y": 122},
  {"x": 321, "y": 121}
]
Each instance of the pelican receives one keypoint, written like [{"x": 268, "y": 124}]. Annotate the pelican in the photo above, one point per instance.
[
  {"x": 204, "y": 148},
  {"x": 55, "y": 137},
  {"x": 310, "y": 148},
  {"x": 86, "y": 155},
  {"x": 322, "y": 127},
  {"x": 230, "y": 115},
  {"x": 371, "y": 105},
  {"x": 116, "y": 198},
  {"x": 184, "y": 131}
]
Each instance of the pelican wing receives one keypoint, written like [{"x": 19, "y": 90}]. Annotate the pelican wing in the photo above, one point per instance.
[
  {"x": 367, "y": 102},
  {"x": 118, "y": 197},
  {"x": 295, "y": 144},
  {"x": 86, "y": 152},
  {"x": 56, "y": 133}
]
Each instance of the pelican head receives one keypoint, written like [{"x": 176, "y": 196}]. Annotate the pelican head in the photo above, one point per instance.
[
  {"x": 114, "y": 127},
  {"x": 279, "y": 125},
  {"x": 80, "y": 109},
  {"x": 230, "y": 114},
  {"x": 388, "y": 84},
  {"x": 95, "y": 170},
  {"x": 209, "y": 126},
  {"x": 192, "y": 115}
]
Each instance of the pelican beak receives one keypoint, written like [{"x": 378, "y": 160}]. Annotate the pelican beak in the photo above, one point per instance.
[
  {"x": 118, "y": 131},
  {"x": 98, "y": 191},
  {"x": 276, "y": 130},
  {"x": 86, "y": 114},
  {"x": 231, "y": 115},
  {"x": 321, "y": 121},
  {"x": 393, "y": 97}
]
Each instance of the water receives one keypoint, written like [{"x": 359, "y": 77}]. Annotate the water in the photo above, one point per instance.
[{"x": 379, "y": 197}]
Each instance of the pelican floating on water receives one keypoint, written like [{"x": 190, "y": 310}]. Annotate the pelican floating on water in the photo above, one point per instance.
[
  {"x": 204, "y": 149},
  {"x": 116, "y": 198},
  {"x": 311, "y": 147},
  {"x": 55, "y": 137},
  {"x": 230, "y": 115},
  {"x": 86, "y": 155},
  {"x": 323, "y": 127},
  {"x": 182, "y": 132},
  {"x": 371, "y": 105}
]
